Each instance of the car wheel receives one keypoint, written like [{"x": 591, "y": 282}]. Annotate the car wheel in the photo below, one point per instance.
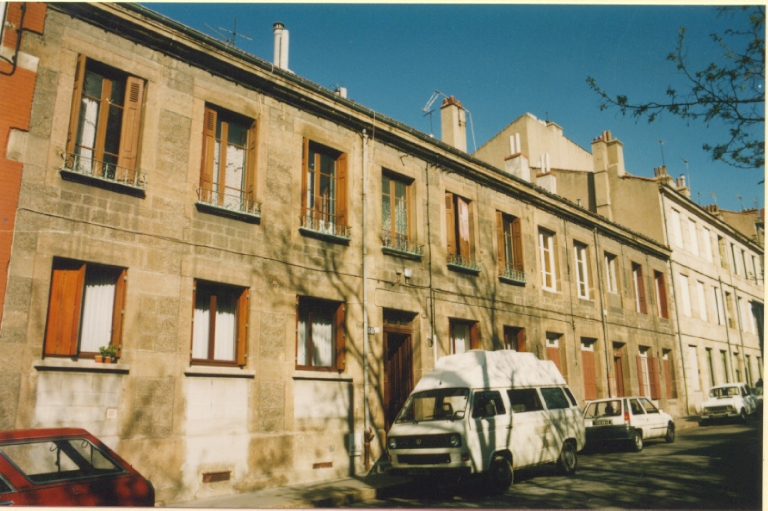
[
  {"x": 637, "y": 442},
  {"x": 702, "y": 422},
  {"x": 566, "y": 462},
  {"x": 670, "y": 436},
  {"x": 500, "y": 474},
  {"x": 743, "y": 416}
]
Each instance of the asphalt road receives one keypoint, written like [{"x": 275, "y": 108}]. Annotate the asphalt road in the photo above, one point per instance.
[{"x": 714, "y": 467}]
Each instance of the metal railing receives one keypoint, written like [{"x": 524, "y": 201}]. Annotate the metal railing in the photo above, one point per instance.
[
  {"x": 231, "y": 199},
  {"x": 109, "y": 172},
  {"x": 510, "y": 273},
  {"x": 464, "y": 262},
  {"x": 401, "y": 244},
  {"x": 310, "y": 222}
]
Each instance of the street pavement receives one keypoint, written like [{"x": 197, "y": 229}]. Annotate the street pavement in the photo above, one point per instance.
[{"x": 341, "y": 492}]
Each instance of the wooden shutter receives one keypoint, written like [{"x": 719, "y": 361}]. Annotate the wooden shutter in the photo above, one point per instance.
[
  {"x": 669, "y": 380},
  {"x": 450, "y": 223},
  {"x": 641, "y": 290},
  {"x": 340, "y": 337},
  {"x": 66, "y": 300},
  {"x": 304, "y": 175},
  {"x": 243, "y": 310},
  {"x": 474, "y": 336},
  {"x": 468, "y": 246},
  {"x": 640, "y": 379},
  {"x": 662, "y": 295},
  {"x": 250, "y": 162},
  {"x": 653, "y": 376},
  {"x": 502, "y": 260},
  {"x": 588, "y": 269},
  {"x": 209, "y": 146},
  {"x": 118, "y": 312},
  {"x": 77, "y": 93},
  {"x": 590, "y": 383},
  {"x": 129, "y": 134},
  {"x": 521, "y": 340},
  {"x": 341, "y": 190},
  {"x": 517, "y": 244},
  {"x": 553, "y": 354}
]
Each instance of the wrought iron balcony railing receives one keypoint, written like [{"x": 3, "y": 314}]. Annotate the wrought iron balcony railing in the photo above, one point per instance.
[
  {"x": 311, "y": 222},
  {"x": 511, "y": 274},
  {"x": 229, "y": 200},
  {"x": 463, "y": 262},
  {"x": 398, "y": 243},
  {"x": 103, "y": 171}
]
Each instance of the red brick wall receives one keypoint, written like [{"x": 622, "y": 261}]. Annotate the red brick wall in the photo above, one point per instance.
[{"x": 16, "y": 92}]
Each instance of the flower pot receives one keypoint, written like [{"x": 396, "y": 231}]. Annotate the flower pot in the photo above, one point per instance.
[
  {"x": 107, "y": 360},
  {"x": 98, "y": 359}
]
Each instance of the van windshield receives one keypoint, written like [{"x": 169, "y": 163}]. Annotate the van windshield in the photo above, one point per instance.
[{"x": 434, "y": 405}]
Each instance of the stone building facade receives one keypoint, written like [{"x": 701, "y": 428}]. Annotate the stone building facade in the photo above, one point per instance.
[{"x": 275, "y": 266}]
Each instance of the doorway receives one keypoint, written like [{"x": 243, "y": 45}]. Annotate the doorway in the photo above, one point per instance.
[
  {"x": 398, "y": 363},
  {"x": 618, "y": 369}
]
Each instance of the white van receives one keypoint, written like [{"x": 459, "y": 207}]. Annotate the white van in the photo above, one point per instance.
[{"x": 487, "y": 412}]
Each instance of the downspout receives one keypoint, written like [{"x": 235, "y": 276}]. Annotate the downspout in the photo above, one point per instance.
[
  {"x": 727, "y": 333},
  {"x": 432, "y": 334},
  {"x": 677, "y": 312},
  {"x": 603, "y": 312},
  {"x": 367, "y": 433},
  {"x": 741, "y": 334}
]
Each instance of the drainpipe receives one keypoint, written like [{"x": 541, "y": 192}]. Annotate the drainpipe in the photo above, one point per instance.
[
  {"x": 727, "y": 333},
  {"x": 367, "y": 433},
  {"x": 741, "y": 330},
  {"x": 432, "y": 334},
  {"x": 677, "y": 312},
  {"x": 603, "y": 312}
]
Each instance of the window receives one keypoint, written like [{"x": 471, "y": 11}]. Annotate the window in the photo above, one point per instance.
[
  {"x": 661, "y": 294},
  {"x": 685, "y": 296},
  {"x": 718, "y": 306},
  {"x": 227, "y": 175},
  {"x": 588, "y": 364},
  {"x": 743, "y": 313},
  {"x": 487, "y": 403},
  {"x": 554, "y": 398},
  {"x": 736, "y": 372},
  {"x": 744, "y": 262},
  {"x": 582, "y": 270},
  {"x": 219, "y": 327},
  {"x": 510, "y": 240},
  {"x": 465, "y": 335},
  {"x": 700, "y": 290},
  {"x": 86, "y": 307},
  {"x": 395, "y": 214},
  {"x": 707, "y": 244},
  {"x": 637, "y": 278},
  {"x": 724, "y": 361},
  {"x": 677, "y": 233},
  {"x": 610, "y": 273},
  {"x": 692, "y": 234},
  {"x": 733, "y": 259},
  {"x": 747, "y": 370},
  {"x": 553, "y": 348},
  {"x": 514, "y": 338},
  {"x": 547, "y": 260},
  {"x": 324, "y": 190},
  {"x": 459, "y": 231},
  {"x": 669, "y": 374},
  {"x": 754, "y": 269},
  {"x": 320, "y": 334},
  {"x": 104, "y": 124},
  {"x": 729, "y": 307},
  {"x": 693, "y": 364},
  {"x": 710, "y": 367},
  {"x": 643, "y": 372},
  {"x": 524, "y": 400},
  {"x": 721, "y": 250}
]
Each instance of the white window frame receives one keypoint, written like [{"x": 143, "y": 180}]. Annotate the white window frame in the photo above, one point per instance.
[
  {"x": 547, "y": 255},
  {"x": 693, "y": 365},
  {"x": 707, "y": 244},
  {"x": 610, "y": 273},
  {"x": 582, "y": 270},
  {"x": 677, "y": 232},
  {"x": 685, "y": 294},
  {"x": 693, "y": 234},
  {"x": 718, "y": 307},
  {"x": 646, "y": 377},
  {"x": 701, "y": 290}
]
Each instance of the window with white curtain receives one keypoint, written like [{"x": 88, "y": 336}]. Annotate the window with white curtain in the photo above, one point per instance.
[
  {"x": 218, "y": 327},
  {"x": 320, "y": 334},
  {"x": 685, "y": 296},
  {"x": 547, "y": 260},
  {"x": 693, "y": 236},
  {"x": 701, "y": 291},
  {"x": 676, "y": 231},
  {"x": 582, "y": 270},
  {"x": 98, "y": 303}
]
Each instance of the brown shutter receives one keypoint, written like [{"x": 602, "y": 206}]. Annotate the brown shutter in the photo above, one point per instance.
[
  {"x": 129, "y": 134},
  {"x": 118, "y": 312},
  {"x": 521, "y": 340},
  {"x": 450, "y": 223},
  {"x": 250, "y": 162},
  {"x": 502, "y": 260},
  {"x": 468, "y": 246},
  {"x": 304, "y": 175},
  {"x": 209, "y": 145},
  {"x": 553, "y": 354},
  {"x": 653, "y": 376},
  {"x": 641, "y": 290},
  {"x": 341, "y": 190},
  {"x": 77, "y": 93},
  {"x": 662, "y": 295},
  {"x": 474, "y": 336},
  {"x": 640, "y": 380},
  {"x": 590, "y": 383},
  {"x": 517, "y": 244},
  {"x": 340, "y": 337},
  {"x": 670, "y": 380},
  {"x": 66, "y": 300},
  {"x": 243, "y": 310}
]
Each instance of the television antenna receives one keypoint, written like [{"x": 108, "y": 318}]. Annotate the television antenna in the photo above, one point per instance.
[
  {"x": 230, "y": 39},
  {"x": 429, "y": 112}
]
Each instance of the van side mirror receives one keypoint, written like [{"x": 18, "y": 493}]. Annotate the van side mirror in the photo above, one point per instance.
[{"x": 458, "y": 415}]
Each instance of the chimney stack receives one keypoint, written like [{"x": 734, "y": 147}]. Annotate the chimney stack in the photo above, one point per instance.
[
  {"x": 453, "y": 123},
  {"x": 281, "y": 46},
  {"x": 684, "y": 190}
]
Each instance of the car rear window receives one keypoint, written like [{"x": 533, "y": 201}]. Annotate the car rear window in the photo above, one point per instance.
[
  {"x": 603, "y": 409},
  {"x": 554, "y": 398},
  {"x": 59, "y": 460}
]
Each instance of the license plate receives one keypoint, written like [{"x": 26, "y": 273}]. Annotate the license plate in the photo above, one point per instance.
[
  {"x": 418, "y": 472},
  {"x": 603, "y": 422}
]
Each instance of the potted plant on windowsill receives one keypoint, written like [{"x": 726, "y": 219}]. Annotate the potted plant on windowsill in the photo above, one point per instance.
[{"x": 107, "y": 354}]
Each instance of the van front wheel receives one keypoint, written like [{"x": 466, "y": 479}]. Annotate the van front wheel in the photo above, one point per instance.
[
  {"x": 500, "y": 474},
  {"x": 566, "y": 463}
]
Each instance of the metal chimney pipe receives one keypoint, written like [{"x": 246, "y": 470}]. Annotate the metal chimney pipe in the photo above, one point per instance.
[{"x": 280, "y": 56}]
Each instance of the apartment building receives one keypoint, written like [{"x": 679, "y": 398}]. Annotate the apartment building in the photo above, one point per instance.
[{"x": 276, "y": 265}]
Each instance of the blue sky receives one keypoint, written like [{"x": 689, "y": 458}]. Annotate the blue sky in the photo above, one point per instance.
[{"x": 502, "y": 61}]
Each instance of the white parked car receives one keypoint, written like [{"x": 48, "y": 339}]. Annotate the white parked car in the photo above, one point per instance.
[
  {"x": 629, "y": 420},
  {"x": 729, "y": 401}
]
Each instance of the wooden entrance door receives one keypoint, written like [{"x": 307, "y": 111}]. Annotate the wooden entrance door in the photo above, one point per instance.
[
  {"x": 590, "y": 381},
  {"x": 398, "y": 373},
  {"x": 618, "y": 372}
]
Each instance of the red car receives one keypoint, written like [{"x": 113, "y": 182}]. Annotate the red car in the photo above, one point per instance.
[{"x": 66, "y": 467}]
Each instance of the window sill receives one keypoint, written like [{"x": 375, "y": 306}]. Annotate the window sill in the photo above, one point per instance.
[
  {"x": 401, "y": 253},
  {"x": 325, "y": 236},
  {"x": 114, "y": 186},
  {"x": 79, "y": 366},
  {"x": 252, "y": 218},
  {"x": 320, "y": 375},
  {"x": 219, "y": 371},
  {"x": 511, "y": 280}
]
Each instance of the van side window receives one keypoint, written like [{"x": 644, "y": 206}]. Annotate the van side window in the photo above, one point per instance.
[
  {"x": 487, "y": 404},
  {"x": 570, "y": 396},
  {"x": 554, "y": 398},
  {"x": 524, "y": 400}
]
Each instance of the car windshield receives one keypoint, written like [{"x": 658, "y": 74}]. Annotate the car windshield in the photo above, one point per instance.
[
  {"x": 719, "y": 392},
  {"x": 59, "y": 460},
  {"x": 436, "y": 404},
  {"x": 603, "y": 409}
]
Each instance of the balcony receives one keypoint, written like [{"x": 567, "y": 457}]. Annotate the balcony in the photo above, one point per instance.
[
  {"x": 317, "y": 225},
  {"x": 461, "y": 263},
  {"x": 86, "y": 170},
  {"x": 512, "y": 276},
  {"x": 398, "y": 245},
  {"x": 228, "y": 202}
]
